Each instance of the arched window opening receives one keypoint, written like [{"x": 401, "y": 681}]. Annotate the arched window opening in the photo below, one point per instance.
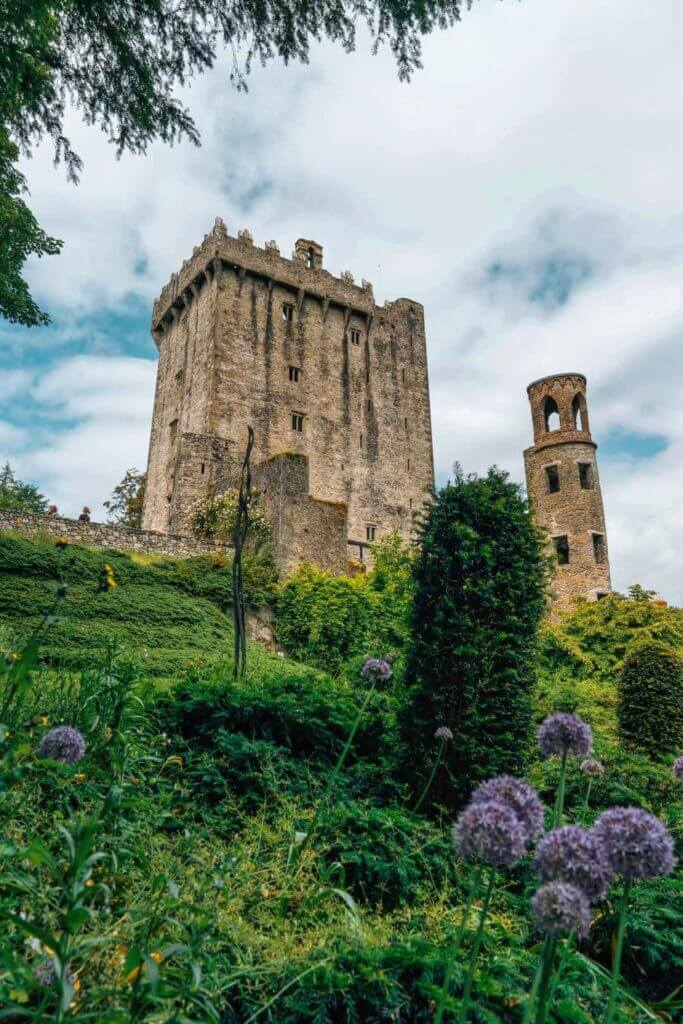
[
  {"x": 551, "y": 414},
  {"x": 310, "y": 258},
  {"x": 579, "y": 413}
]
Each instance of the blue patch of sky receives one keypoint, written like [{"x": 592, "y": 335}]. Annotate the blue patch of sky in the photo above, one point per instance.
[
  {"x": 622, "y": 443},
  {"x": 548, "y": 282}
]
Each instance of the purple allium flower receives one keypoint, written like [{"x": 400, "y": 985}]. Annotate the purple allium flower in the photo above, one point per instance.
[
  {"x": 46, "y": 973},
  {"x": 592, "y": 767},
  {"x": 64, "y": 743},
  {"x": 677, "y": 769},
  {"x": 577, "y": 856},
  {"x": 637, "y": 844},
  {"x": 377, "y": 669},
  {"x": 490, "y": 832},
  {"x": 519, "y": 796},
  {"x": 443, "y": 733},
  {"x": 559, "y": 909},
  {"x": 562, "y": 734}
]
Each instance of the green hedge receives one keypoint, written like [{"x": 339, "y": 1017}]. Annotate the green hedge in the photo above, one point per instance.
[{"x": 650, "y": 704}]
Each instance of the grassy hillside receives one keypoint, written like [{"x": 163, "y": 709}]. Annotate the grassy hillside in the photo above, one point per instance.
[
  {"x": 168, "y": 613},
  {"x": 204, "y": 905}
]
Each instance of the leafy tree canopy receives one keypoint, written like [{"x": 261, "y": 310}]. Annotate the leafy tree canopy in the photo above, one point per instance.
[
  {"x": 120, "y": 62},
  {"x": 125, "y": 505},
  {"x": 17, "y": 495}
]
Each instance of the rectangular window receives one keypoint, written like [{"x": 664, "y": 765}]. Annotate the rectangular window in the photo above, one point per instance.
[
  {"x": 403, "y": 376},
  {"x": 553, "y": 476},
  {"x": 405, "y": 422},
  {"x": 369, "y": 405},
  {"x": 367, "y": 376},
  {"x": 562, "y": 549},
  {"x": 408, "y": 463},
  {"x": 179, "y": 375},
  {"x": 287, "y": 312},
  {"x": 203, "y": 468},
  {"x": 298, "y": 422},
  {"x": 599, "y": 548},
  {"x": 173, "y": 430},
  {"x": 361, "y": 440},
  {"x": 294, "y": 373},
  {"x": 355, "y": 336},
  {"x": 586, "y": 476},
  {"x": 370, "y": 532}
]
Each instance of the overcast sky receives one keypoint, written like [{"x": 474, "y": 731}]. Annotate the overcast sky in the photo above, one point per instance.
[{"x": 526, "y": 187}]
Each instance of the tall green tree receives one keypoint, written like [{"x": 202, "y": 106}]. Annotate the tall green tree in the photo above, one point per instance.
[
  {"x": 17, "y": 495},
  {"x": 125, "y": 505},
  {"x": 479, "y": 597},
  {"x": 650, "y": 697},
  {"x": 119, "y": 62}
]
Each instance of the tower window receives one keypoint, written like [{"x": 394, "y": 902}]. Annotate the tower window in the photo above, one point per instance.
[
  {"x": 310, "y": 258},
  {"x": 173, "y": 430},
  {"x": 294, "y": 374},
  {"x": 361, "y": 440},
  {"x": 405, "y": 422},
  {"x": 287, "y": 312},
  {"x": 370, "y": 532},
  {"x": 355, "y": 336},
  {"x": 403, "y": 376},
  {"x": 562, "y": 549},
  {"x": 298, "y": 422},
  {"x": 586, "y": 476},
  {"x": 203, "y": 468},
  {"x": 369, "y": 405},
  {"x": 579, "y": 413},
  {"x": 553, "y": 476},
  {"x": 367, "y": 376},
  {"x": 551, "y": 414},
  {"x": 599, "y": 548},
  {"x": 179, "y": 375},
  {"x": 408, "y": 463}
]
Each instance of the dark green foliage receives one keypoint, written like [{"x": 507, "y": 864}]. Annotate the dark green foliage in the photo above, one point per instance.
[
  {"x": 479, "y": 598},
  {"x": 120, "y": 63},
  {"x": 650, "y": 706},
  {"x": 327, "y": 620},
  {"x": 125, "y": 505},
  {"x": 17, "y": 495},
  {"x": 172, "y": 613}
]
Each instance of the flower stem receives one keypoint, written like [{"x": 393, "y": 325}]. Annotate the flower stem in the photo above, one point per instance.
[
  {"x": 528, "y": 1009},
  {"x": 464, "y": 1003},
  {"x": 437, "y": 762},
  {"x": 548, "y": 957},
  {"x": 588, "y": 793},
  {"x": 455, "y": 948},
  {"x": 559, "y": 799},
  {"x": 616, "y": 963}
]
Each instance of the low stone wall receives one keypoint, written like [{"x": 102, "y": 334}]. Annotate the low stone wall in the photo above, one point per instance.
[{"x": 104, "y": 535}]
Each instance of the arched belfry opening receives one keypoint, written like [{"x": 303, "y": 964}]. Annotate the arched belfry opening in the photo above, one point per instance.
[
  {"x": 579, "y": 412},
  {"x": 551, "y": 414}
]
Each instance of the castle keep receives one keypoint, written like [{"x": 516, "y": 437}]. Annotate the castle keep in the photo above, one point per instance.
[
  {"x": 334, "y": 386},
  {"x": 564, "y": 487}
]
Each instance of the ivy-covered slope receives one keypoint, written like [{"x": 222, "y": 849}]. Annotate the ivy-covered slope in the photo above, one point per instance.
[{"x": 169, "y": 613}]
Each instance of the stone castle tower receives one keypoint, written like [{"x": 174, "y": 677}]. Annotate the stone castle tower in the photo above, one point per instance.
[
  {"x": 564, "y": 487},
  {"x": 334, "y": 386}
]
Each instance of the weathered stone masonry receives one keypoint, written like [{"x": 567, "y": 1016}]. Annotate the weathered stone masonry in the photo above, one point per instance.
[
  {"x": 248, "y": 337},
  {"x": 564, "y": 487}
]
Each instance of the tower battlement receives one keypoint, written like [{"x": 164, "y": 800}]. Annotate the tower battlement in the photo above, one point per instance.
[
  {"x": 248, "y": 337},
  {"x": 564, "y": 486}
]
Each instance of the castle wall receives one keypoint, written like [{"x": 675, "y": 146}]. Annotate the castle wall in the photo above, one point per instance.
[{"x": 362, "y": 385}]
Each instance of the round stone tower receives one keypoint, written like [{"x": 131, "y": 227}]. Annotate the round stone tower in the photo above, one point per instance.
[{"x": 564, "y": 487}]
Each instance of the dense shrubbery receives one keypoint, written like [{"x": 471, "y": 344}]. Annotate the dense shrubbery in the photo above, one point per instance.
[
  {"x": 478, "y": 602},
  {"x": 325, "y": 620},
  {"x": 650, "y": 705},
  {"x": 206, "y": 904}
]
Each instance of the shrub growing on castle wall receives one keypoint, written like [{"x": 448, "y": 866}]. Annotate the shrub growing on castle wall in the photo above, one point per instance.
[
  {"x": 650, "y": 704},
  {"x": 480, "y": 591}
]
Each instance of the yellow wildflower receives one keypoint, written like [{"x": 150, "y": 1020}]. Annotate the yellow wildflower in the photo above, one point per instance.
[
  {"x": 132, "y": 976},
  {"x": 79, "y": 777},
  {"x": 62, "y": 542}
]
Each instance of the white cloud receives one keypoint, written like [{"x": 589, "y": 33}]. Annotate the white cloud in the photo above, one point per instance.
[{"x": 534, "y": 130}]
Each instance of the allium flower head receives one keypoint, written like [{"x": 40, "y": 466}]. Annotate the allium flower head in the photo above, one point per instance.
[
  {"x": 443, "y": 733},
  {"x": 376, "y": 669},
  {"x": 489, "y": 832},
  {"x": 577, "y": 856},
  {"x": 637, "y": 844},
  {"x": 560, "y": 908},
  {"x": 592, "y": 767},
  {"x": 63, "y": 743},
  {"x": 519, "y": 796},
  {"x": 562, "y": 734},
  {"x": 677, "y": 769},
  {"x": 46, "y": 973}
]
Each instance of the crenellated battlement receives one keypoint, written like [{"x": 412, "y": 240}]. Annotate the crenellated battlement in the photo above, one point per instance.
[{"x": 303, "y": 273}]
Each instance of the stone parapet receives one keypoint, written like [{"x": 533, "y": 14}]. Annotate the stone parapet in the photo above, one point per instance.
[{"x": 106, "y": 535}]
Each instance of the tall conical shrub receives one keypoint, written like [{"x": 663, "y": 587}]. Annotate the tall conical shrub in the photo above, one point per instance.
[
  {"x": 650, "y": 704},
  {"x": 480, "y": 594}
]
